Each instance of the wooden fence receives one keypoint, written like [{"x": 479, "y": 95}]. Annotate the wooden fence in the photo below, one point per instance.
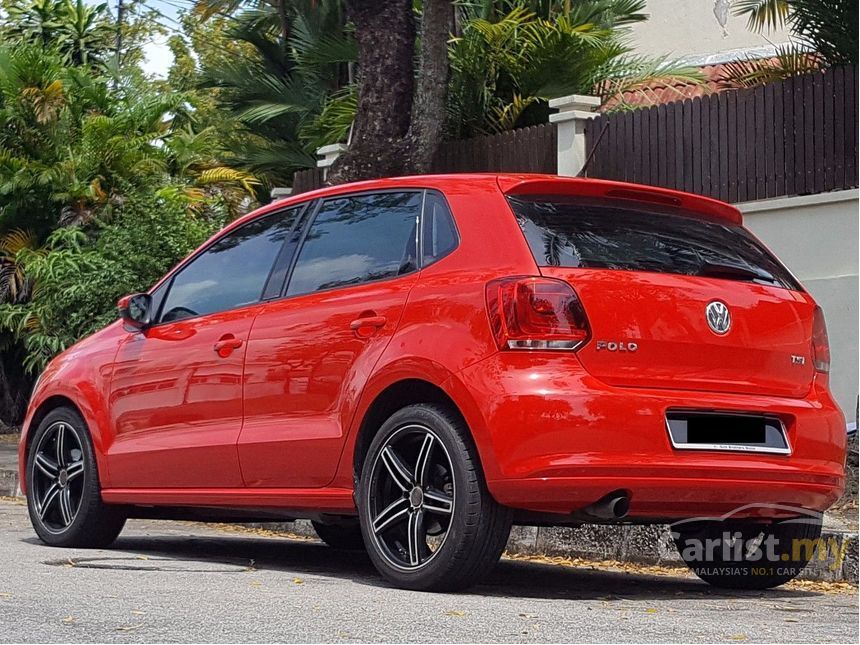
[
  {"x": 793, "y": 137},
  {"x": 531, "y": 149},
  {"x": 305, "y": 180}
]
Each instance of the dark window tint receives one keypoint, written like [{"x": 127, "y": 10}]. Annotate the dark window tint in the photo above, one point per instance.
[
  {"x": 357, "y": 239},
  {"x": 231, "y": 272},
  {"x": 574, "y": 233},
  {"x": 439, "y": 234}
]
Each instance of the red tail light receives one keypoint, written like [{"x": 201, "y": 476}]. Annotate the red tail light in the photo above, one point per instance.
[
  {"x": 820, "y": 344},
  {"x": 536, "y": 313}
]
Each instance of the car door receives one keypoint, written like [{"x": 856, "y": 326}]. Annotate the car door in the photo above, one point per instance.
[
  {"x": 176, "y": 394},
  {"x": 311, "y": 352}
]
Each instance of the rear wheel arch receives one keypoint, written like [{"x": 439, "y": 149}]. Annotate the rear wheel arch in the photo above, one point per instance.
[{"x": 394, "y": 397}]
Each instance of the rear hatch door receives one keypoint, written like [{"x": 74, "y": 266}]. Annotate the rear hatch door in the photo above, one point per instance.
[{"x": 674, "y": 300}]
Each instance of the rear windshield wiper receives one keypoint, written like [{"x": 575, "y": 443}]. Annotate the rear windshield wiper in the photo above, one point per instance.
[{"x": 734, "y": 271}]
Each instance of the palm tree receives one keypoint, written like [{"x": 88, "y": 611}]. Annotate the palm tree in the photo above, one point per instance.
[
  {"x": 824, "y": 33},
  {"x": 83, "y": 34},
  {"x": 505, "y": 69},
  {"x": 287, "y": 93}
]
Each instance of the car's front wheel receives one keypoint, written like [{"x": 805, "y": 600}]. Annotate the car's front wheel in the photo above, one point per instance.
[
  {"x": 748, "y": 555},
  {"x": 63, "y": 490},
  {"x": 428, "y": 520}
]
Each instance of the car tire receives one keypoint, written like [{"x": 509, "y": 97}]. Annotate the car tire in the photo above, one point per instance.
[
  {"x": 754, "y": 566},
  {"x": 428, "y": 520},
  {"x": 63, "y": 489},
  {"x": 344, "y": 535}
]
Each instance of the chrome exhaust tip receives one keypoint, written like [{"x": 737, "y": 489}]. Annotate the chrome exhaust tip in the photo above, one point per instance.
[{"x": 614, "y": 506}]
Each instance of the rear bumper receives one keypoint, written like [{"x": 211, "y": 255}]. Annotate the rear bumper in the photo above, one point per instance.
[{"x": 558, "y": 439}]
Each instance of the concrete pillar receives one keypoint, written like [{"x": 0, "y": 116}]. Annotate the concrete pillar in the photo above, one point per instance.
[
  {"x": 329, "y": 154},
  {"x": 280, "y": 192},
  {"x": 573, "y": 113}
]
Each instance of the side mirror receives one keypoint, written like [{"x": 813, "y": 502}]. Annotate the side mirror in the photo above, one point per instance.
[{"x": 136, "y": 310}]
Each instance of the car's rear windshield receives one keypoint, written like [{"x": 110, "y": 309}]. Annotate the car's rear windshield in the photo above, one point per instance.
[{"x": 573, "y": 232}]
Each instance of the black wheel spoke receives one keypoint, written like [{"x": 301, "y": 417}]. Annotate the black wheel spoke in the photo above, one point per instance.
[
  {"x": 48, "y": 499},
  {"x": 75, "y": 469},
  {"x": 393, "y": 514},
  {"x": 416, "y": 537},
  {"x": 48, "y": 467},
  {"x": 66, "y": 506},
  {"x": 396, "y": 468},
  {"x": 436, "y": 502},
  {"x": 423, "y": 462},
  {"x": 61, "y": 445}
]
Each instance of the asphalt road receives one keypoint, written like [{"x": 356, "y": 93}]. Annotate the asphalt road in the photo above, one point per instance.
[{"x": 175, "y": 581}]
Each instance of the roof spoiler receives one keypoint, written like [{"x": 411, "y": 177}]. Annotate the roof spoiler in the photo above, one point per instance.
[{"x": 690, "y": 204}]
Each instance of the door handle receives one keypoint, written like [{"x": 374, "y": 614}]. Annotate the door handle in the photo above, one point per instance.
[
  {"x": 367, "y": 321},
  {"x": 226, "y": 344}
]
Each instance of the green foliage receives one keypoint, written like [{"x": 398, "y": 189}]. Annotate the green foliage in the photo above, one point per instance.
[
  {"x": 827, "y": 27},
  {"x": 81, "y": 34},
  {"x": 824, "y": 33},
  {"x": 505, "y": 69},
  {"x": 79, "y": 274},
  {"x": 278, "y": 89},
  {"x": 106, "y": 178}
]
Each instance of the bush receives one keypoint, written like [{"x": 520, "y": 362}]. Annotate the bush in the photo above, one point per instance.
[{"x": 78, "y": 276}]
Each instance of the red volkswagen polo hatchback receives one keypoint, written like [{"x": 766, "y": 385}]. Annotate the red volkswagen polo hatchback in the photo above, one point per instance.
[{"x": 417, "y": 363}]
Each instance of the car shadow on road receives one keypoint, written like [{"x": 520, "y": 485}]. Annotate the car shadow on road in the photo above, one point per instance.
[{"x": 510, "y": 578}]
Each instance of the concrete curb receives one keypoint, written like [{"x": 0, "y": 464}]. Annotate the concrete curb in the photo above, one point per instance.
[{"x": 641, "y": 544}]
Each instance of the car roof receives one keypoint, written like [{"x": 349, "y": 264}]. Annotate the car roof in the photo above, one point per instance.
[{"x": 525, "y": 184}]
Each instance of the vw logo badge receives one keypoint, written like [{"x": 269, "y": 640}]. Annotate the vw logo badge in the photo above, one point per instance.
[{"x": 718, "y": 316}]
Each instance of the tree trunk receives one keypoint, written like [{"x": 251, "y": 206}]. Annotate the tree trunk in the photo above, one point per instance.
[
  {"x": 385, "y": 33},
  {"x": 429, "y": 109},
  {"x": 15, "y": 386}
]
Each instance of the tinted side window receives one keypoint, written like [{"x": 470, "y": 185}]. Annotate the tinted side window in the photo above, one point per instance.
[
  {"x": 358, "y": 239},
  {"x": 439, "y": 233},
  {"x": 231, "y": 272}
]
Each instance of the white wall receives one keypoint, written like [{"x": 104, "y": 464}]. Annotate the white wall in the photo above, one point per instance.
[
  {"x": 816, "y": 237},
  {"x": 697, "y": 28}
]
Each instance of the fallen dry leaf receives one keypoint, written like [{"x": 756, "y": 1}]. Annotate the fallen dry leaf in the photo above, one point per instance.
[
  {"x": 69, "y": 620},
  {"x": 455, "y": 612},
  {"x": 298, "y": 581},
  {"x": 138, "y": 612},
  {"x": 129, "y": 628},
  {"x": 738, "y": 637},
  {"x": 823, "y": 587},
  {"x": 684, "y": 572},
  {"x": 234, "y": 528}
]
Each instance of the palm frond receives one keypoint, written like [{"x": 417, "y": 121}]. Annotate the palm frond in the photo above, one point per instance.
[{"x": 762, "y": 14}]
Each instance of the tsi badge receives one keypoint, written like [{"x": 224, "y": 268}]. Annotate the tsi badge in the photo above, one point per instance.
[{"x": 612, "y": 346}]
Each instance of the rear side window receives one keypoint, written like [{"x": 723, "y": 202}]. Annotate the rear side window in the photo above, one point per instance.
[
  {"x": 591, "y": 234},
  {"x": 231, "y": 272},
  {"x": 357, "y": 239},
  {"x": 439, "y": 236}
]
